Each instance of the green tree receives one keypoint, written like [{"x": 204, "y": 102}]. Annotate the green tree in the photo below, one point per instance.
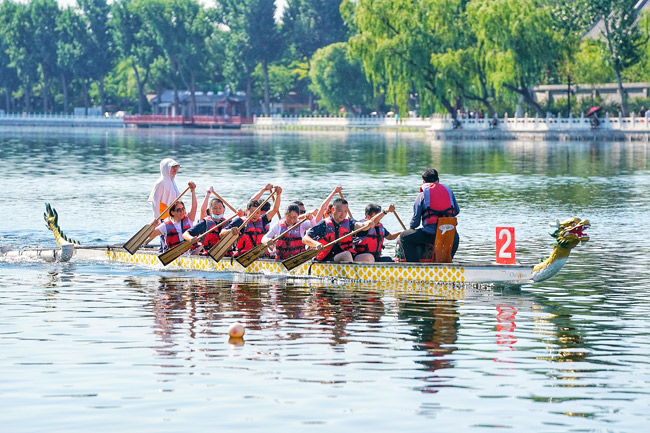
[
  {"x": 74, "y": 60},
  {"x": 395, "y": 40},
  {"x": 135, "y": 43},
  {"x": 21, "y": 48},
  {"x": 99, "y": 45},
  {"x": 181, "y": 28},
  {"x": 519, "y": 42},
  {"x": 339, "y": 80},
  {"x": 8, "y": 75},
  {"x": 621, "y": 35},
  {"x": 255, "y": 37},
  {"x": 43, "y": 16}
]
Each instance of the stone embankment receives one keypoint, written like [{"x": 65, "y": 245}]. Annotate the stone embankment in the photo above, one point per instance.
[{"x": 549, "y": 128}]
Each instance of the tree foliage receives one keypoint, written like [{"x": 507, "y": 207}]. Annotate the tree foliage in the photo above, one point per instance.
[{"x": 338, "y": 79}]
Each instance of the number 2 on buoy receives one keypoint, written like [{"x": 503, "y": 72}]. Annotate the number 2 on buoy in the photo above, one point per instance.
[{"x": 506, "y": 245}]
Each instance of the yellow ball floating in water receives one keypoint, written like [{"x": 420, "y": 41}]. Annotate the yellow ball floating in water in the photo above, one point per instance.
[{"x": 236, "y": 330}]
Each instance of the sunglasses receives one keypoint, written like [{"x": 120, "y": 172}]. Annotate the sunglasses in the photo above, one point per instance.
[
  {"x": 179, "y": 209},
  {"x": 302, "y": 211}
]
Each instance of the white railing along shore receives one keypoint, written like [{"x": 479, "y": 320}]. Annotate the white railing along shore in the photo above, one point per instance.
[{"x": 434, "y": 123}]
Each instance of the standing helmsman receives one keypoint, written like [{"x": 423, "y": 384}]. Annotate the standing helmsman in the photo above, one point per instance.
[{"x": 434, "y": 201}]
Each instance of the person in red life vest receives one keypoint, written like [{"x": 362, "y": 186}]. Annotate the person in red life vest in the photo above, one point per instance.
[
  {"x": 172, "y": 228},
  {"x": 216, "y": 216},
  {"x": 290, "y": 244},
  {"x": 251, "y": 235},
  {"x": 325, "y": 209},
  {"x": 368, "y": 248},
  {"x": 434, "y": 200},
  {"x": 332, "y": 228}
]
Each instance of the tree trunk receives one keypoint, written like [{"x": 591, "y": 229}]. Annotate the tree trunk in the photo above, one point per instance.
[
  {"x": 46, "y": 89},
  {"x": 267, "y": 98},
  {"x": 528, "y": 98},
  {"x": 64, "y": 86},
  {"x": 140, "y": 85},
  {"x": 7, "y": 100},
  {"x": 28, "y": 96},
  {"x": 102, "y": 95},
  {"x": 177, "y": 103},
  {"x": 249, "y": 87},
  {"x": 621, "y": 92},
  {"x": 86, "y": 97},
  {"x": 193, "y": 92}
]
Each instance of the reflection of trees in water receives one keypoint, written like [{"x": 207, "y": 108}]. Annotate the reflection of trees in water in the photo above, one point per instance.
[
  {"x": 435, "y": 327},
  {"x": 188, "y": 308}
]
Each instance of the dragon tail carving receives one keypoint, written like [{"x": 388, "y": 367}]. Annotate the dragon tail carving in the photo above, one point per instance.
[{"x": 52, "y": 222}]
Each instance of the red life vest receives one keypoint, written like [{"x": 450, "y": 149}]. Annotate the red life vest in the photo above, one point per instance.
[
  {"x": 438, "y": 203},
  {"x": 290, "y": 244},
  {"x": 251, "y": 236},
  {"x": 213, "y": 237},
  {"x": 372, "y": 243},
  {"x": 333, "y": 234},
  {"x": 172, "y": 238}
]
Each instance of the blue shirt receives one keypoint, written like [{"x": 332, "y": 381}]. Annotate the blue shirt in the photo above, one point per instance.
[{"x": 420, "y": 205}]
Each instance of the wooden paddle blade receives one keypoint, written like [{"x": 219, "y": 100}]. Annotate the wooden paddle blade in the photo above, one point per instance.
[
  {"x": 222, "y": 247},
  {"x": 299, "y": 259},
  {"x": 443, "y": 245},
  {"x": 250, "y": 256},
  {"x": 172, "y": 254},
  {"x": 139, "y": 238}
]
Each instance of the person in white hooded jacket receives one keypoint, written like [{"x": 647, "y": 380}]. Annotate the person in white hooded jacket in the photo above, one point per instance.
[{"x": 165, "y": 190}]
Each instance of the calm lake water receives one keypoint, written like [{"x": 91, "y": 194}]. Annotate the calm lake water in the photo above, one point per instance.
[{"x": 108, "y": 347}]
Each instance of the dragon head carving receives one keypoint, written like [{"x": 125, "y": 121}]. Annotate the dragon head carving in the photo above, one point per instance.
[{"x": 569, "y": 233}]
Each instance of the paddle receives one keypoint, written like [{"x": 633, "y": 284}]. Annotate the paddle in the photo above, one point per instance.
[
  {"x": 249, "y": 257},
  {"x": 141, "y": 237},
  {"x": 400, "y": 221},
  {"x": 299, "y": 259},
  {"x": 221, "y": 248},
  {"x": 224, "y": 201},
  {"x": 172, "y": 254}
]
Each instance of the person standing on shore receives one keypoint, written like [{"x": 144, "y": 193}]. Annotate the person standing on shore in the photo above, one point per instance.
[{"x": 434, "y": 201}]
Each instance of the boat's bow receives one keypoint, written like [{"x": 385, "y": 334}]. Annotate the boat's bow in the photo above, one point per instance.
[{"x": 568, "y": 234}]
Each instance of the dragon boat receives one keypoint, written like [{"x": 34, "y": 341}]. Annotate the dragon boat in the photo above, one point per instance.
[{"x": 567, "y": 234}]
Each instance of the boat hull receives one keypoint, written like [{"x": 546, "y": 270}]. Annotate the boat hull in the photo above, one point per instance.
[{"x": 369, "y": 272}]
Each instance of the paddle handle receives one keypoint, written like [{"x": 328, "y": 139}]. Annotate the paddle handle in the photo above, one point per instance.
[
  {"x": 281, "y": 235},
  {"x": 354, "y": 232},
  {"x": 399, "y": 219},
  {"x": 165, "y": 213},
  {"x": 224, "y": 202},
  {"x": 215, "y": 227},
  {"x": 349, "y": 213},
  {"x": 257, "y": 209}
]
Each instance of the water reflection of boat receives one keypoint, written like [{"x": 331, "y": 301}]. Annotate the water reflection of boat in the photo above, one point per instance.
[{"x": 568, "y": 234}]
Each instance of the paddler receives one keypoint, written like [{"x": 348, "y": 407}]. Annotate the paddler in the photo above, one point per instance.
[
  {"x": 434, "y": 201},
  {"x": 368, "y": 248},
  {"x": 251, "y": 235},
  {"x": 214, "y": 215},
  {"x": 332, "y": 228},
  {"x": 290, "y": 244},
  {"x": 171, "y": 229}
]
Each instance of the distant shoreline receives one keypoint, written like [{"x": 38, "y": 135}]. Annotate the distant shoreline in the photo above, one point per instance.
[{"x": 438, "y": 128}]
